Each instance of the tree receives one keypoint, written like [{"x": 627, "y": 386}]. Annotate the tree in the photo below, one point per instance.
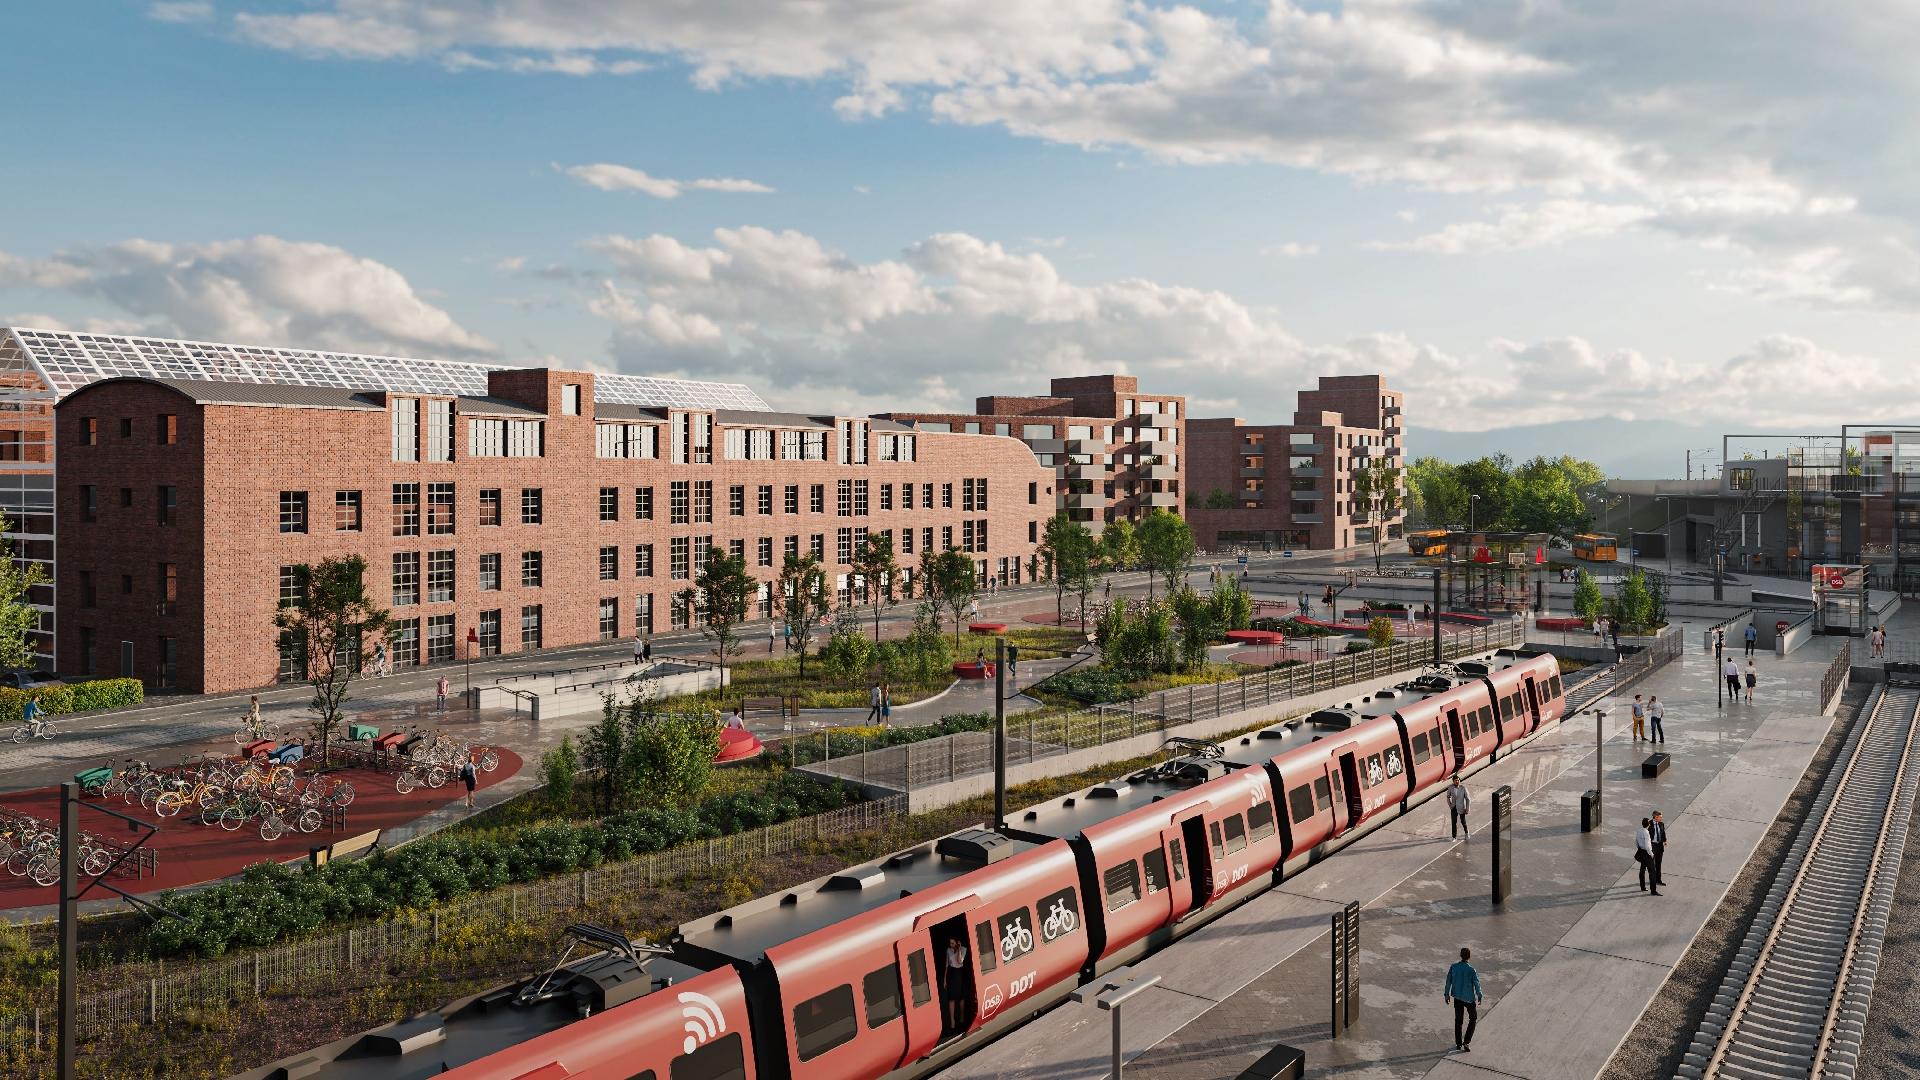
[
  {"x": 670, "y": 755},
  {"x": 946, "y": 582},
  {"x": 719, "y": 600},
  {"x": 1587, "y": 601},
  {"x": 330, "y": 620},
  {"x": 1119, "y": 546},
  {"x": 846, "y": 654},
  {"x": 1487, "y": 477},
  {"x": 1070, "y": 550},
  {"x": 604, "y": 748},
  {"x": 1231, "y": 604},
  {"x": 1196, "y": 626},
  {"x": 927, "y": 653},
  {"x": 1166, "y": 547},
  {"x": 1219, "y": 499},
  {"x": 17, "y": 618},
  {"x": 1544, "y": 500},
  {"x": 1380, "y": 631},
  {"x": 1376, "y": 493},
  {"x": 558, "y": 769},
  {"x": 1441, "y": 498},
  {"x": 1636, "y": 602},
  {"x": 873, "y": 562},
  {"x": 801, "y": 593}
]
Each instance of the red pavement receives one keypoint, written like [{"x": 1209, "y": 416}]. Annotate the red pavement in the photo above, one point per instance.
[{"x": 190, "y": 853}]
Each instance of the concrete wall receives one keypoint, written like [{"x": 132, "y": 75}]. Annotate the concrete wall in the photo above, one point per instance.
[
  {"x": 1798, "y": 633},
  {"x": 570, "y": 694}
]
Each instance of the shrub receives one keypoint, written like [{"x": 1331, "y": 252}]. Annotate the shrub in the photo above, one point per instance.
[
  {"x": 1380, "y": 632},
  {"x": 72, "y": 697},
  {"x": 558, "y": 768},
  {"x": 847, "y": 653},
  {"x": 1092, "y": 686}
]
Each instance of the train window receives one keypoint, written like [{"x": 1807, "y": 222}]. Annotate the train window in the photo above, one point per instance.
[
  {"x": 1123, "y": 885},
  {"x": 1016, "y": 933},
  {"x": 1260, "y": 821},
  {"x": 1300, "y": 803},
  {"x": 917, "y": 976},
  {"x": 1219, "y": 849},
  {"x": 1155, "y": 864},
  {"x": 881, "y": 989},
  {"x": 1179, "y": 864},
  {"x": 824, "y": 1022},
  {"x": 1392, "y": 761},
  {"x": 1322, "y": 795},
  {"x": 1419, "y": 741},
  {"x": 1376, "y": 773},
  {"x": 987, "y": 951},
  {"x": 1236, "y": 834},
  {"x": 1059, "y": 915},
  {"x": 721, "y": 1059}
]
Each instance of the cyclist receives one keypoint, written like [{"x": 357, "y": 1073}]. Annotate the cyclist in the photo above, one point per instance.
[
  {"x": 254, "y": 723},
  {"x": 30, "y": 715}
]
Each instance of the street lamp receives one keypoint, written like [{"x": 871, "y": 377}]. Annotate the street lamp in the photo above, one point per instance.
[
  {"x": 1669, "y": 534},
  {"x": 1473, "y": 508}
]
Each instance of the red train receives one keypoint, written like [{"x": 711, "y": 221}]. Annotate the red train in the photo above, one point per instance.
[{"x": 898, "y": 967}]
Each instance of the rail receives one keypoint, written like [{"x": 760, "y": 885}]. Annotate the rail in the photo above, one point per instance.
[{"x": 1794, "y": 1000}]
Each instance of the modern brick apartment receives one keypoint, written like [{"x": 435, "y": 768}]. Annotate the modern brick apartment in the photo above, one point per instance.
[
  {"x": 531, "y": 512},
  {"x": 1291, "y": 485},
  {"x": 1117, "y": 452}
]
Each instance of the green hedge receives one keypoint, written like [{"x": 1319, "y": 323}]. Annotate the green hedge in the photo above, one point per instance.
[
  {"x": 1093, "y": 686},
  {"x": 845, "y": 742},
  {"x": 72, "y": 697},
  {"x": 272, "y": 901}
]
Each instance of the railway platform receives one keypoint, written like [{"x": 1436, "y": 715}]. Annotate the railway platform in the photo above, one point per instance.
[{"x": 1568, "y": 963}]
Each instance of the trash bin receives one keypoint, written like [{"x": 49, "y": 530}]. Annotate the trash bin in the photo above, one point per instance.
[
  {"x": 1590, "y": 810},
  {"x": 1280, "y": 1063},
  {"x": 361, "y": 732},
  {"x": 92, "y": 777}
]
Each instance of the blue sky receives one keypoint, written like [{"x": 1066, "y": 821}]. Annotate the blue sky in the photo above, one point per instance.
[{"x": 1519, "y": 218}]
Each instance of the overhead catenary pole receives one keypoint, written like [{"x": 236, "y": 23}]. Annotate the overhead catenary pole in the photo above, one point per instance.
[
  {"x": 999, "y": 733},
  {"x": 69, "y": 922},
  {"x": 1436, "y": 615}
]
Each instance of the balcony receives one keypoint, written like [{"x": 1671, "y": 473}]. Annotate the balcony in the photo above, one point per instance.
[
  {"x": 1314, "y": 471},
  {"x": 1091, "y": 500},
  {"x": 1161, "y": 498},
  {"x": 1252, "y": 474},
  {"x": 1306, "y": 519},
  {"x": 1306, "y": 448},
  {"x": 1253, "y": 447},
  {"x": 1154, "y": 449},
  {"x": 1361, "y": 452},
  {"x": 1391, "y": 410},
  {"x": 1247, "y": 495},
  {"x": 1046, "y": 446},
  {"x": 1306, "y": 495},
  {"x": 1161, "y": 472}
]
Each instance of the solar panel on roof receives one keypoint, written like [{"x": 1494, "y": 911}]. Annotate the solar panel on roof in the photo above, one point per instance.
[{"x": 72, "y": 361}]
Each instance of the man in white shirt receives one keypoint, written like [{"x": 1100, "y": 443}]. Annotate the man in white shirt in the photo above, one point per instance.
[
  {"x": 1656, "y": 712},
  {"x": 1457, "y": 800},
  {"x": 1643, "y": 854},
  {"x": 1732, "y": 671}
]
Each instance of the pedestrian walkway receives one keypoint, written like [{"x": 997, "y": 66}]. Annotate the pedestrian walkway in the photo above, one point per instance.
[{"x": 1567, "y": 963}]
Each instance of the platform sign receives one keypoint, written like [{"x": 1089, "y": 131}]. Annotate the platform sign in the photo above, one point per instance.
[
  {"x": 1502, "y": 843},
  {"x": 1337, "y": 985},
  {"x": 1352, "y": 916}
]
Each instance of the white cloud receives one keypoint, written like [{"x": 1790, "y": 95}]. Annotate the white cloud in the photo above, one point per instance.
[
  {"x": 180, "y": 11},
  {"x": 1291, "y": 249},
  {"x": 1555, "y": 221},
  {"x": 623, "y": 178},
  {"x": 261, "y": 289}
]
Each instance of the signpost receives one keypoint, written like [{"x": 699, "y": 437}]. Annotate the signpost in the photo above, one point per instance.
[
  {"x": 1346, "y": 954},
  {"x": 1502, "y": 843}
]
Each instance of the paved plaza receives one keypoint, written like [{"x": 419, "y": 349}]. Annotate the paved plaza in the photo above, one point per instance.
[{"x": 1567, "y": 964}]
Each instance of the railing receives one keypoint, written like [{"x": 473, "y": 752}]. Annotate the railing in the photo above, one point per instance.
[
  {"x": 1834, "y": 679},
  {"x": 363, "y": 956},
  {"x": 1032, "y": 738}
]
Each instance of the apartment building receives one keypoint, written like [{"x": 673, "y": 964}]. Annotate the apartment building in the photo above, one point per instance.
[
  {"x": 533, "y": 514},
  {"x": 1285, "y": 486},
  {"x": 1116, "y": 453}
]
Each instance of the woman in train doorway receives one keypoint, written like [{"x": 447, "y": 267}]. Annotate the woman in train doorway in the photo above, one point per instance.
[{"x": 953, "y": 985}]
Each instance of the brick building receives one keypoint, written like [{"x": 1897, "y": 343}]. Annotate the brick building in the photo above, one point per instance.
[
  {"x": 1291, "y": 485},
  {"x": 1116, "y": 452},
  {"x": 531, "y": 513}
]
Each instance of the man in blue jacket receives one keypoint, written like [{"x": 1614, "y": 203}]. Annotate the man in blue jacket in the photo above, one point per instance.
[{"x": 1463, "y": 991}]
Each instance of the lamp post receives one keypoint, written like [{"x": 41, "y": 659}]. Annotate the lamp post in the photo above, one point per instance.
[
  {"x": 1473, "y": 529},
  {"x": 1669, "y": 534},
  {"x": 473, "y": 636}
]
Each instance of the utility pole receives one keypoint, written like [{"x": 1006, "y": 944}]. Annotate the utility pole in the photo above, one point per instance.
[
  {"x": 999, "y": 734},
  {"x": 69, "y": 922},
  {"x": 1436, "y": 616}
]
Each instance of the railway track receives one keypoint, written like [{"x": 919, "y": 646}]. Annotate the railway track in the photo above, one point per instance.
[{"x": 1794, "y": 1001}]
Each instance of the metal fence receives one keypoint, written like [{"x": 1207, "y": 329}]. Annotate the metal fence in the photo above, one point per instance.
[
  {"x": 1631, "y": 669},
  {"x": 1839, "y": 670},
  {"x": 158, "y": 992},
  {"x": 1032, "y": 737}
]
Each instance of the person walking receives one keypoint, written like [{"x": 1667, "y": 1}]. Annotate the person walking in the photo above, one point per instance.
[
  {"x": 1880, "y": 640},
  {"x": 1753, "y": 637},
  {"x": 1657, "y": 837},
  {"x": 1752, "y": 678},
  {"x": 771, "y": 637},
  {"x": 1463, "y": 993},
  {"x": 440, "y": 691},
  {"x": 873, "y": 703},
  {"x": 1639, "y": 718},
  {"x": 469, "y": 776},
  {"x": 646, "y": 652},
  {"x": 639, "y": 649},
  {"x": 1613, "y": 627},
  {"x": 886, "y": 705},
  {"x": 1732, "y": 671},
  {"x": 1643, "y": 854},
  {"x": 1656, "y": 714},
  {"x": 1457, "y": 802}
]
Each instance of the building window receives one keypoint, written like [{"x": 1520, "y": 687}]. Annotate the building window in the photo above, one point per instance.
[
  {"x": 764, "y": 504},
  {"x": 506, "y": 438},
  {"x": 886, "y": 497},
  {"x": 946, "y": 497},
  {"x": 702, "y": 501},
  {"x": 817, "y": 499},
  {"x": 680, "y": 613},
  {"x": 490, "y": 572},
  {"x": 859, "y": 498},
  {"x": 737, "y": 549},
  {"x": 609, "y": 563},
  {"x": 643, "y": 504},
  {"x": 346, "y": 511},
  {"x": 625, "y": 440},
  {"x": 440, "y": 430},
  {"x": 293, "y": 510},
  {"x": 406, "y": 509},
  {"x": 843, "y": 545},
  {"x": 678, "y": 505},
  {"x": 532, "y": 506},
  {"x": 531, "y": 564},
  {"x": 643, "y": 560},
  {"x": 126, "y": 427},
  {"x": 817, "y": 545},
  {"x": 946, "y": 537},
  {"x": 980, "y": 494},
  {"x": 439, "y": 639},
  {"x": 169, "y": 588},
  {"x": 490, "y": 632},
  {"x": 766, "y": 550},
  {"x": 843, "y": 499},
  {"x": 87, "y": 595},
  {"x": 906, "y": 497},
  {"x": 406, "y": 428},
  {"x": 405, "y": 641},
  {"x": 88, "y": 651},
  {"x": 792, "y": 500},
  {"x": 530, "y": 627},
  {"x": 678, "y": 558},
  {"x": 966, "y": 495},
  {"x": 406, "y": 578},
  {"x": 89, "y": 431},
  {"x": 166, "y": 428},
  {"x": 643, "y": 614},
  {"x": 90, "y": 503},
  {"x": 609, "y": 618},
  {"x": 906, "y": 541},
  {"x": 440, "y": 577},
  {"x": 439, "y": 509},
  {"x": 609, "y": 504},
  {"x": 489, "y": 506},
  {"x": 737, "y": 500},
  {"x": 570, "y": 399},
  {"x": 126, "y": 496},
  {"x": 926, "y": 496}
]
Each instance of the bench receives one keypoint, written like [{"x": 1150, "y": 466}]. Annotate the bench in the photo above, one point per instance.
[
  {"x": 1654, "y": 766},
  {"x": 352, "y": 845},
  {"x": 785, "y": 707},
  {"x": 1560, "y": 624}
]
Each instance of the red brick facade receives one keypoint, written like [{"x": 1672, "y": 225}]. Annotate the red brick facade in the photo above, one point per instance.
[{"x": 231, "y": 462}]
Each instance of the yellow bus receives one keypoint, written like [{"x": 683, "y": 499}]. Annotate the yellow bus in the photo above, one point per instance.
[
  {"x": 1427, "y": 542},
  {"x": 1595, "y": 547}
]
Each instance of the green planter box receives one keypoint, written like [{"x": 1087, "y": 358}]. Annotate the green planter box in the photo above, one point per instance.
[
  {"x": 93, "y": 776},
  {"x": 361, "y": 732}
]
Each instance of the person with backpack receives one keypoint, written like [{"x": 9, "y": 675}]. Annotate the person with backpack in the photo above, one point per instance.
[{"x": 470, "y": 776}]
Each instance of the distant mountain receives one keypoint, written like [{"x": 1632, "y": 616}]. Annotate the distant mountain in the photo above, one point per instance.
[{"x": 1625, "y": 449}]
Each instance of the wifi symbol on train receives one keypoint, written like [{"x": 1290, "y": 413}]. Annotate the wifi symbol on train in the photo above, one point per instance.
[{"x": 704, "y": 1019}]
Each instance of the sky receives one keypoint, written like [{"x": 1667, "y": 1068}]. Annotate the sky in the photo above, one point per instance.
[{"x": 1520, "y": 211}]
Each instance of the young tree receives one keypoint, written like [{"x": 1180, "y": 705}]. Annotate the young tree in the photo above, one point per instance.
[
  {"x": 1380, "y": 631},
  {"x": 1119, "y": 547},
  {"x": 331, "y": 620},
  {"x": 1069, "y": 549},
  {"x": 1197, "y": 626},
  {"x": 670, "y": 755},
  {"x": 1166, "y": 548},
  {"x": 1587, "y": 601},
  {"x": 846, "y": 654},
  {"x": 801, "y": 594},
  {"x": 559, "y": 767},
  {"x": 17, "y": 618},
  {"x": 946, "y": 581},
  {"x": 719, "y": 601},
  {"x": 604, "y": 748},
  {"x": 1376, "y": 493},
  {"x": 1636, "y": 602},
  {"x": 873, "y": 562},
  {"x": 927, "y": 653}
]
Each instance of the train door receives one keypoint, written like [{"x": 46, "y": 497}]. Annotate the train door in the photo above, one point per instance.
[
  {"x": 1341, "y": 815},
  {"x": 1350, "y": 782},
  {"x": 1193, "y": 836},
  {"x": 1532, "y": 704},
  {"x": 1457, "y": 737},
  {"x": 923, "y": 1004},
  {"x": 955, "y": 988},
  {"x": 1181, "y": 898}
]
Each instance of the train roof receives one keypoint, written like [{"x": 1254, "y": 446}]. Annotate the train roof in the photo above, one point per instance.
[{"x": 746, "y": 931}]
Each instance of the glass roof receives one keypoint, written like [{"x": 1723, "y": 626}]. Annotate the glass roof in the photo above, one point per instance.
[{"x": 72, "y": 360}]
